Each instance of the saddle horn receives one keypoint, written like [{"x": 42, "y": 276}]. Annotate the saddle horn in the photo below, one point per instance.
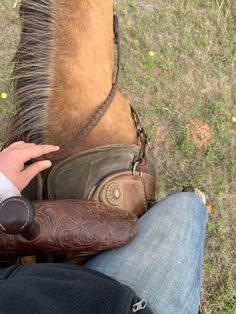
[{"x": 17, "y": 217}]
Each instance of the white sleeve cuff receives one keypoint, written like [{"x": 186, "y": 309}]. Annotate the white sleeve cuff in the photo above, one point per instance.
[{"x": 7, "y": 188}]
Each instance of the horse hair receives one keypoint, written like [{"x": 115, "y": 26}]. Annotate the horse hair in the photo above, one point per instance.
[
  {"x": 63, "y": 72},
  {"x": 31, "y": 71}
]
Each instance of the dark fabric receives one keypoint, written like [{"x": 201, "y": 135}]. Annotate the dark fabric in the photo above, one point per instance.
[{"x": 62, "y": 288}]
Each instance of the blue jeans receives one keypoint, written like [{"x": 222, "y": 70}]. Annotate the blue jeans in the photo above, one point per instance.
[{"x": 163, "y": 264}]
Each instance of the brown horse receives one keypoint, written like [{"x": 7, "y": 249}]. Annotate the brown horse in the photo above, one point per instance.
[
  {"x": 66, "y": 94},
  {"x": 63, "y": 72}
]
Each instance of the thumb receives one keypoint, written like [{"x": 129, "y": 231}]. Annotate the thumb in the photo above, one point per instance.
[{"x": 31, "y": 171}]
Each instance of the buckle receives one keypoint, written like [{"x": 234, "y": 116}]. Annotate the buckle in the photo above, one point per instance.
[{"x": 134, "y": 170}]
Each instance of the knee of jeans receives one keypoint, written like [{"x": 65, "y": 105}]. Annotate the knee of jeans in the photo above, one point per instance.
[{"x": 189, "y": 202}]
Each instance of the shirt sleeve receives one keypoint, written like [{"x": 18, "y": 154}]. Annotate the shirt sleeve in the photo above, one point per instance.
[{"x": 7, "y": 188}]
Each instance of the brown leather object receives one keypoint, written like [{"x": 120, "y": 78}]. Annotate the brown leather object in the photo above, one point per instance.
[
  {"x": 78, "y": 227},
  {"x": 125, "y": 190},
  {"x": 16, "y": 215},
  {"x": 76, "y": 176},
  {"x": 102, "y": 173}
]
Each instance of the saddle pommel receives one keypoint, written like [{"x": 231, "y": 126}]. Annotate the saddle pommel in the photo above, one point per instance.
[{"x": 17, "y": 217}]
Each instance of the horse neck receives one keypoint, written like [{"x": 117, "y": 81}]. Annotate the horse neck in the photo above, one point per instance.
[{"x": 81, "y": 74}]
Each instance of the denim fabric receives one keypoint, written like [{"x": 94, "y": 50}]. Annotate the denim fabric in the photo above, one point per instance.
[{"x": 163, "y": 264}]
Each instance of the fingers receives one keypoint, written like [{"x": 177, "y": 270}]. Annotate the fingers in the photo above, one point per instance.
[
  {"x": 14, "y": 157},
  {"x": 21, "y": 152},
  {"x": 16, "y": 144},
  {"x": 36, "y": 151},
  {"x": 28, "y": 151},
  {"x": 30, "y": 172}
]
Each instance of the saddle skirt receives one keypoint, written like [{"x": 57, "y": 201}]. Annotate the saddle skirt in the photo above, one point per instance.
[{"x": 104, "y": 174}]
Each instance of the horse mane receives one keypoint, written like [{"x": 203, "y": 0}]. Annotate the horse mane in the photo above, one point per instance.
[
  {"x": 63, "y": 72},
  {"x": 30, "y": 77}
]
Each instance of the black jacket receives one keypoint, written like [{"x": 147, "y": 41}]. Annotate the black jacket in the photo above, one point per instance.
[{"x": 63, "y": 288}]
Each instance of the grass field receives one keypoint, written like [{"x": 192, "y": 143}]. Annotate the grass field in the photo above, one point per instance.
[{"x": 178, "y": 70}]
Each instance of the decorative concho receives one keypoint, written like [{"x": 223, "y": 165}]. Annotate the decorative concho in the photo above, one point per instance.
[{"x": 114, "y": 194}]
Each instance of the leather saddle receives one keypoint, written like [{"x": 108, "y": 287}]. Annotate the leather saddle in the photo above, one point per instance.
[
  {"x": 87, "y": 203},
  {"x": 105, "y": 174}
]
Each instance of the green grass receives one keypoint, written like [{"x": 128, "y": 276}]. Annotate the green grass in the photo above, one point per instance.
[
  {"x": 191, "y": 77},
  {"x": 9, "y": 36}
]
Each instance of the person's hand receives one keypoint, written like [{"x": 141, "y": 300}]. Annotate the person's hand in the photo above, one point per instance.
[{"x": 13, "y": 158}]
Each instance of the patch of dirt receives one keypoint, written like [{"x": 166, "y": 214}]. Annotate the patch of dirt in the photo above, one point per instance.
[
  {"x": 190, "y": 79},
  {"x": 200, "y": 134},
  {"x": 215, "y": 84},
  {"x": 143, "y": 6},
  {"x": 162, "y": 135},
  {"x": 229, "y": 199}
]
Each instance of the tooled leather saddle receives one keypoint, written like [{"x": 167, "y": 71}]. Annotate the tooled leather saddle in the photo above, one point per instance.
[{"x": 87, "y": 203}]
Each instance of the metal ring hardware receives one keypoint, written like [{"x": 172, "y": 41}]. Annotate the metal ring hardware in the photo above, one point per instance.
[{"x": 135, "y": 169}]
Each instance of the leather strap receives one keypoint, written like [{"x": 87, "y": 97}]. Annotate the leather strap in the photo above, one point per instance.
[{"x": 142, "y": 156}]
